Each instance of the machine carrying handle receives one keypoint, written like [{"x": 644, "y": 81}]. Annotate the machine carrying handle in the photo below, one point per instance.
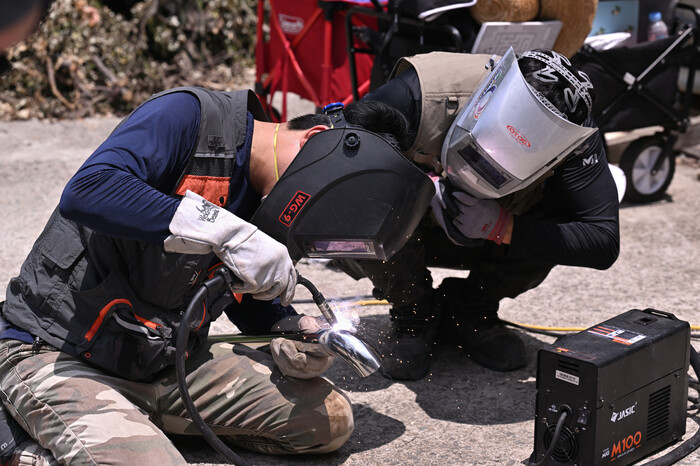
[{"x": 658, "y": 313}]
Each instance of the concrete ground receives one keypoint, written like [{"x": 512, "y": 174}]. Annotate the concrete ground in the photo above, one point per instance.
[{"x": 459, "y": 414}]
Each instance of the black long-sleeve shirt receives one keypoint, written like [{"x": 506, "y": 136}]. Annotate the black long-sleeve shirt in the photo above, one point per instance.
[{"x": 577, "y": 221}]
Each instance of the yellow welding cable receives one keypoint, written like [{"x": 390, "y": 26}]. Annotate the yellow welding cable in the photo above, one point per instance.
[
  {"x": 374, "y": 302},
  {"x": 274, "y": 152}
]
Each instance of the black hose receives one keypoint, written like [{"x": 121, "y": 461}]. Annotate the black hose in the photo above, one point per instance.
[{"x": 216, "y": 283}]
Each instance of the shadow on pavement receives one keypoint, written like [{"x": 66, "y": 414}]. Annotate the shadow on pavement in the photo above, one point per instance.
[
  {"x": 372, "y": 430},
  {"x": 457, "y": 389}
]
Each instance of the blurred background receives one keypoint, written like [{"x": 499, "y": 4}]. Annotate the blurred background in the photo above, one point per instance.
[
  {"x": 73, "y": 59},
  {"x": 78, "y": 58}
]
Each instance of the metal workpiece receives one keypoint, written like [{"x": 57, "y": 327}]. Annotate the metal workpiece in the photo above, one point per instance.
[
  {"x": 352, "y": 350},
  {"x": 341, "y": 342}
]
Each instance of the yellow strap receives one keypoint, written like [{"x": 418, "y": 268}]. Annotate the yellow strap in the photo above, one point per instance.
[{"x": 274, "y": 152}]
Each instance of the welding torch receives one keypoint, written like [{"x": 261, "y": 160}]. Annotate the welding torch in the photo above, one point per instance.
[
  {"x": 318, "y": 299},
  {"x": 333, "y": 340}
]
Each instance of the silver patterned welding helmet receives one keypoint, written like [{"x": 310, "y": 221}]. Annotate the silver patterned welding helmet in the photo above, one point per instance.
[{"x": 507, "y": 135}]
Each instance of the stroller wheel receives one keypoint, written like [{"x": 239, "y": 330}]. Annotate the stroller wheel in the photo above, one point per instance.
[{"x": 644, "y": 182}]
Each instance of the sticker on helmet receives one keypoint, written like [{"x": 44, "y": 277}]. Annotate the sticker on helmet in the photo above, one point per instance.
[
  {"x": 293, "y": 207},
  {"x": 518, "y": 136}
]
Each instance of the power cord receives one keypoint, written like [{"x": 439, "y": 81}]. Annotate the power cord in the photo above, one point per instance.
[{"x": 564, "y": 411}]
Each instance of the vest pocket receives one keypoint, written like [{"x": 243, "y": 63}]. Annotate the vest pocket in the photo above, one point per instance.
[
  {"x": 122, "y": 334},
  {"x": 167, "y": 279},
  {"x": 55, "y": 260}
]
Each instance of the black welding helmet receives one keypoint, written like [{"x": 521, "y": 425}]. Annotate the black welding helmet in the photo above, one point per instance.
[{"x": 347, "y": 194}]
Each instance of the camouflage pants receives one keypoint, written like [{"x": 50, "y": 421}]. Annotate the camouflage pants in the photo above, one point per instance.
[{"x": 86, "y": 416}]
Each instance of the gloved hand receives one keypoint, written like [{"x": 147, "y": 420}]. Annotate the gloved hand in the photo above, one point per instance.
[
  {"x": 262, "y": 264},
  {"x": 481, "y": 218},
  {"x": 299, "y": 359},
  {"x": 444, "y": 208},
  {"x": 301, "y": 324}
]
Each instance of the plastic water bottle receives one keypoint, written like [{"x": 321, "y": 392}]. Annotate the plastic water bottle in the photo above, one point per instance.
[{"x": 657, "y": 28}]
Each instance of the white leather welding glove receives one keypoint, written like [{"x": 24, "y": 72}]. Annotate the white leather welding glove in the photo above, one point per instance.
[
  {"x": 481, "y": 218},
  {"x": 299, "y": 359},
  {"x": 444, "y": 208},
  {"x": 301, "y": 323},
  {"x": 262, "y": 264}
]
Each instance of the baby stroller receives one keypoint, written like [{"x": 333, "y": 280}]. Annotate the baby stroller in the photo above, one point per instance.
[
  {"x": 637, "y": 87},
  {"x": 405, "y": 27},
  {"x": 301, "y": 49}
]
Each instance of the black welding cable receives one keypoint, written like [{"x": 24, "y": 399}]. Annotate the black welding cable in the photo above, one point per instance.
[
  {"x": 693, "y": 442},
  {"x": 564, "y": 412},
  {"x": 215, "y": 283}
]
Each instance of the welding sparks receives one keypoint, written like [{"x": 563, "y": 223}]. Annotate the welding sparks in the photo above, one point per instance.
[{"x": 347, "y": 317}]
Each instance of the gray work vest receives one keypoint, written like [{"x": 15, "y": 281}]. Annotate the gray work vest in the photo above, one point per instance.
[
  {"x": 117, "y": 303},
  {"x": 447, "y": 80}
]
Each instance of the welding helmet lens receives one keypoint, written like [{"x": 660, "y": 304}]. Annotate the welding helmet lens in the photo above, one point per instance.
[
  {"x": 347, "y": 194},
  {"x": 506, "y": 136}
]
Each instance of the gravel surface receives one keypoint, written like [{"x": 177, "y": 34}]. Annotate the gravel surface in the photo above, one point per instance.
[{"x": 461, "y": 413}]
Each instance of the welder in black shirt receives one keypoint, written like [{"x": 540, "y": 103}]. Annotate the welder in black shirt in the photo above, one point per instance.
[{"x": 523, "y": 185}]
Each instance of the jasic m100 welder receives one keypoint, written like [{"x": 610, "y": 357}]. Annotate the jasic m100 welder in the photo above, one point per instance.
[{"x": 621, "y": 386}]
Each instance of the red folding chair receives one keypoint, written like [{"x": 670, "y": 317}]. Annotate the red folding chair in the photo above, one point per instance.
[{"x": 305, "y": 52}]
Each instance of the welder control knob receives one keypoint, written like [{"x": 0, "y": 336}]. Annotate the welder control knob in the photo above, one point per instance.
[{"x": 352, "y": 140}]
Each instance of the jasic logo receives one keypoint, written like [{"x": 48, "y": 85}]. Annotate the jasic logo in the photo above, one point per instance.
[
  {"x": 626, "y": 445},
  {"x": 518, "y": 136},
  {"x": 294, "y": 207},
  {"x": 616, "y": 416}
]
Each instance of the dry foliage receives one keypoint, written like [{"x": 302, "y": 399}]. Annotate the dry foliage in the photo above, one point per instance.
[{"x": 86, "y": 60}]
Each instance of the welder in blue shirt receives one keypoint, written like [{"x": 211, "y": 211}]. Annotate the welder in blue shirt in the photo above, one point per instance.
[{"x": 88, "y": 346}]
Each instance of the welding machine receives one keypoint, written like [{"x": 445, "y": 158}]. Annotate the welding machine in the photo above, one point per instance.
[{"x": 623, "y": 385}]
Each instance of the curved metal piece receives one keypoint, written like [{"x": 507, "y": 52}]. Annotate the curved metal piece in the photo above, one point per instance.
[{"x": 352, "y": 350}]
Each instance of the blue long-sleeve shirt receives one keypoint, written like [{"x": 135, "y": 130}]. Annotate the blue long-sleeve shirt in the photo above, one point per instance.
[{"x": 122, "y": 189}]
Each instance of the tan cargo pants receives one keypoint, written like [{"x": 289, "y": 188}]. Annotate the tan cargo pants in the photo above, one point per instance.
[{"x": 84, "y": 415}]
